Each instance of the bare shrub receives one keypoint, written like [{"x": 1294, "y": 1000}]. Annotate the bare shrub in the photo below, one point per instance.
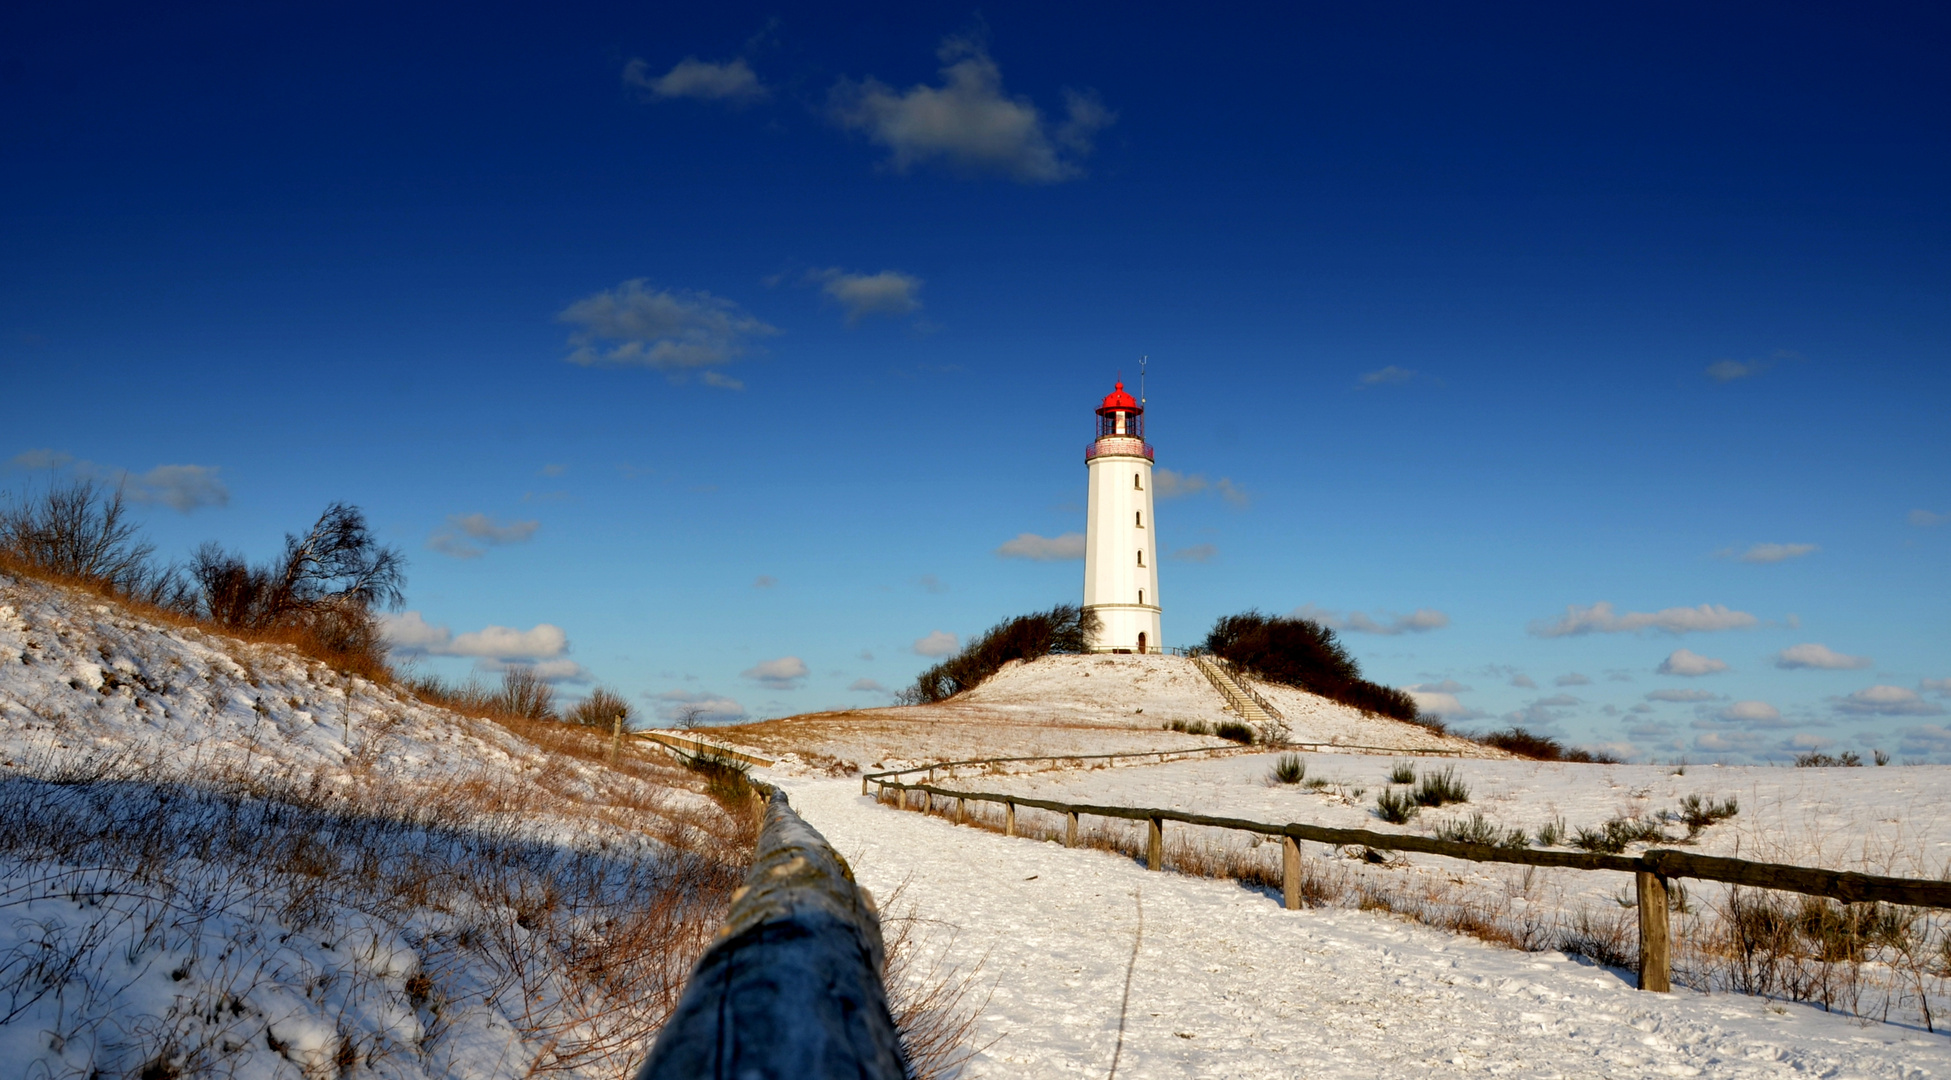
[
  {"x": 934, "y": 1003},
  {"x": 81, "y": 533},
  {"x": 601, "y": 709},
  {"x": 1402, "y": 772},
  {"x": 321, "y": 592},
  {"x": 1478, "y": 829},
  {"x": 1848, "y": 759},
  {"x": 526, "y": 694},
  {"x": 1234, "y": 731}
]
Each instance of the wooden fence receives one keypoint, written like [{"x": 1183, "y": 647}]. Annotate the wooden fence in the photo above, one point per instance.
[
  {"x": 1651, "y": 870},
  {"x": 792, "y": 988}
]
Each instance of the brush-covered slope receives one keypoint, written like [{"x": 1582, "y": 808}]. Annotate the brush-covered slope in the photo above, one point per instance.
[{"x": 219, "y": 858}]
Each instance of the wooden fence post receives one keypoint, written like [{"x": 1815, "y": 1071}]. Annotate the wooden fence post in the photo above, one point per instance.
[
  {"x": 863, "y": 783},
  {"x": 1009, "y": 819},
  {"x": 961, "y": 811},
  {"x": 1655, "y": 962},
  {"x": 1070, "y": 830},
  {"x": 1155, "y": 844},
  {"x": 1290, "y": 873}
]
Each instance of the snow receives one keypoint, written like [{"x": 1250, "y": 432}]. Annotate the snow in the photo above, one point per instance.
[
  {"x": 226, "y": 859},
  {"x": 1068, "y": 705},
  {"x": 1224, "y": 983}
]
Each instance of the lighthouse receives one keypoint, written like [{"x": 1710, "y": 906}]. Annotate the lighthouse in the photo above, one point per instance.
[{"x": 1120, "y": 558}]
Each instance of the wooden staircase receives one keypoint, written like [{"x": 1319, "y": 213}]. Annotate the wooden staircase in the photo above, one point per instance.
[{"x": 1239, "y": 697}]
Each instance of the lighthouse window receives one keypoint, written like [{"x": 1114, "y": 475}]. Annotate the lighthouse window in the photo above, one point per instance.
[
  {"x": 1135, "y": 485},
  {"x": 1141, "y": 557},
  {"x": 1141, "y": 599},
  {"x": 1141, "y": 519}
]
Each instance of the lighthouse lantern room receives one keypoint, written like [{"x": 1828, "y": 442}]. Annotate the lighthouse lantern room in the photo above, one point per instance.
[{"x": 1120, "y": 558}]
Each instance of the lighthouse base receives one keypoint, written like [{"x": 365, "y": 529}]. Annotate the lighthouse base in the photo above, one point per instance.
[{"x": 1126, "y": 628}]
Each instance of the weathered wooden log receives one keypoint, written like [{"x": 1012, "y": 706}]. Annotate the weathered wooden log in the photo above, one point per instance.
[
  {"x": 793, "y": 986},
  {"x": 1655, "y": 964}
]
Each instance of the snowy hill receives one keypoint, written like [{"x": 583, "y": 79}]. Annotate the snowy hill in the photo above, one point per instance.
[
  {"x": 1075, "y": 705},
  {"x": 225, "y": 858}
]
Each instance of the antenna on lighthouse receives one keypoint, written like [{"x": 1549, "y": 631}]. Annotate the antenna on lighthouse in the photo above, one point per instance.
[{"x": 1141, "y": 380}]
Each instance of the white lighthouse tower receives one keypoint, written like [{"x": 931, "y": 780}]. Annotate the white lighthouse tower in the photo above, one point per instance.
[{"x": 1120, "y": 559}]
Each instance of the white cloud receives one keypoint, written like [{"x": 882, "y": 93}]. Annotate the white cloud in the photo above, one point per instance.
[
  {"x": 1444, "y": 705},
  {"x": 1774, "y": 553},
  {"x": 938, "y": 643},
  {"x": 968, "y": 123},
  {"x": 1926, "y": 740},
  {"x": 1418, "y": 621},
  {"x": 559, "y": 670},
  {"x": 783, "y": 673},
  {"x": 180, "y": 487},
  {"x": 1690, "y": 663},
  {"x": 1440, "y": 699},
  {"x": 453, "y": 538},
  {"x": 1729, "y": 742},
  {"x": 1752, "y": 713},
  {"x": 1803, "y": 741},
  {"x": 867, "y": 686},
  {"x": 1600, "y": 618},
  {"x": 1683, "y": 695},
  {"x": 1887, "y": 701},
  {"x": 1726, "y": 371},
  {"x": 1167, "y": 484},
  {"x": 1924, "y": 519},
  {"x": 673, "y": 331},
  {"x": 1388, "y": 376},
  {"x": 702, "y": 707},
  {"x": 1573, "y": 679},
  {"x": 1043, "y": 548},
  {"x": 764, "y": 581},
  {"x": 1523, "y": 680},
  {"x": 1196, "y": 553},
  {"x": 734, "y": 82},
  {"x": 410, "y": 633},
  {"x": 1812, "y": 655},
  {"x": 1543, "y": 712},
  {"x": 1940, "y": 687},
  {"x": 889, "y": 292}
]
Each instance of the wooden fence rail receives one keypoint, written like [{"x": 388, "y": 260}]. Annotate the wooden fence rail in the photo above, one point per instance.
[
  {"x": 792, "y": 988},
  {"x": 1651, "y": 870}
]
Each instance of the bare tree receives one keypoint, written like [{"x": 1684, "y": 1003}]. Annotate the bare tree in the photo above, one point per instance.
[{"x": 82, "y": 532}]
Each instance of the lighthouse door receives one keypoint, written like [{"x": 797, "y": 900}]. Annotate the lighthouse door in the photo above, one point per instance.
[{"x": 1141, "y": 641}]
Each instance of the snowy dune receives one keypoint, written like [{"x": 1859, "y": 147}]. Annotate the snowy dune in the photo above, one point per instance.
[{"x": 224, "y": 859}]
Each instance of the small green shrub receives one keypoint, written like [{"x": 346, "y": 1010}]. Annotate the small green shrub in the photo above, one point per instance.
[
  {"x": 1697, "y": 812},
  {"x": 727, "y": 780},
  {"x": 1193, "y": 727},
  {"x": 1815, "y": 759},
  {"x": 1612, "y": 837},
  {"x": 1403, "y": 772},
  {"x": 1552, "y": 833},
  {"x": 1478, "y": 829},
  {"x": 1440, "y": 788},
  {"x": 1396, "y": 807},
  {"x": 1234, "y": 731},
  {"x": 1290, "y": 769}
]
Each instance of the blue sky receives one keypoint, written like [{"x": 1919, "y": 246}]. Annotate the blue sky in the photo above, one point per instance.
[{"x": 714, "y": 355}]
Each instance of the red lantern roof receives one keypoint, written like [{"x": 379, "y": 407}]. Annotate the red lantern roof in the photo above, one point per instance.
[{"x": 1117, "y": 400}]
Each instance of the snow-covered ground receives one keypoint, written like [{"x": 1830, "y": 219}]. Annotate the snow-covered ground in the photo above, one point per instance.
[
  {"x": 219, "y": 858},
  {"x": 1068, "y": 705},
  {"x": 1209, "y": 979}
]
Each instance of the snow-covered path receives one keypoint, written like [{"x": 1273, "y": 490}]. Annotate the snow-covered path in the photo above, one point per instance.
[{"x": 1226, "y": 984}]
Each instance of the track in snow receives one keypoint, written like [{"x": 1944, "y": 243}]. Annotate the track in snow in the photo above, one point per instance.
[{"x": 1227, "y": 984}]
